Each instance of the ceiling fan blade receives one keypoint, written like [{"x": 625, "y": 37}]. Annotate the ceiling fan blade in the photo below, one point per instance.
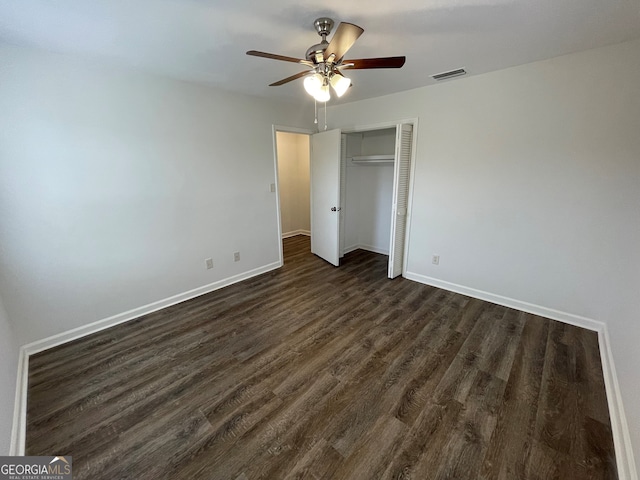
[
  {"x": 273, "y": 56},
  {"x": 290, "y": 79},
  {"x": 383, "y": 62},
  {"x": 344, "y": 38}
]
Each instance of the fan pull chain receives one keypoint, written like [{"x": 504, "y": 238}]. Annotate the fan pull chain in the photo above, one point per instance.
[
  {"x": 325, "y": 115},
  {"x": 315, "y": 107}
]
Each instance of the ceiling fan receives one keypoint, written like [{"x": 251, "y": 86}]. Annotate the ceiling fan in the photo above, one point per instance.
[{"x": 326, "y": 60}]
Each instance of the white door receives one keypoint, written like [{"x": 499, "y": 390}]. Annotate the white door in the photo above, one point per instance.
[
  {"x": 401, "y": 168},
  {"x": 325, "y": 196}
]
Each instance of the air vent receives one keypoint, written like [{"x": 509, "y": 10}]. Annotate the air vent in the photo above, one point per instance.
[{"x": 449, "y": 74}]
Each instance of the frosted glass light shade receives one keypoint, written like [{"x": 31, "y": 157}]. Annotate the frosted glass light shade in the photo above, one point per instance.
[
  {"x": 313, "y": 84},
  {"x": 323, "y": 94},
  {"x": 340, "y": 84}
]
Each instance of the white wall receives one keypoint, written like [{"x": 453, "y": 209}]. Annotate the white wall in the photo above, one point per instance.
[
  {"x": 369, "y": 192},
  {"x": 293, "y": 182},
  {"x": 115, "y": 185},
  {"x": 368, "y": 207},
  {"x": 8, "y": 370},
  {"x": 527, "y": 184}
]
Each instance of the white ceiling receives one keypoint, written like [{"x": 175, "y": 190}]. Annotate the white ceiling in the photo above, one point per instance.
[{"x": 206, "y": 40}]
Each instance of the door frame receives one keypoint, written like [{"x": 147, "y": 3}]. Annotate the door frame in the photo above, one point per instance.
[
  {"x": 286, "y": 129},
  {"x": 414, "y": 145}
]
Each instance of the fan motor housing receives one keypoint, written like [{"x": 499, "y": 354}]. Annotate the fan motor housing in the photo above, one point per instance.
[{"x": 315, "y": 53}]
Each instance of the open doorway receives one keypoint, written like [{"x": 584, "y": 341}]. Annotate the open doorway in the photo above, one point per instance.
[
  {"x": 360, "y": 192},
  {"x": 293, "y": 157},
  {"x": 355, "y": 190}
]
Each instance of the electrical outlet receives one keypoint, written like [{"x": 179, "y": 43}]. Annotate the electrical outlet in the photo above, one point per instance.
[
  {"x": 272, "y": 187},
  {"x": 209, "y": 263},
  {"x": 435, "y": 259},
  {"x": 236, "y": 256}
]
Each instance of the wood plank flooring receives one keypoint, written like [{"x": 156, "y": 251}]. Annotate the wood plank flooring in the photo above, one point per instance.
[{"x": 318, "y": 372}]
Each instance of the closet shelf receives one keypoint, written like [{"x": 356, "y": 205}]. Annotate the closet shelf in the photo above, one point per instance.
[{"x": 373, "y": 158}]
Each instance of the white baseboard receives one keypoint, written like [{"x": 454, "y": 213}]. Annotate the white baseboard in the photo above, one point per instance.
[
  {"x": 564, "y": 317},
  {"x": 619, "y": 427},
  {"x": 18, "y": 431},
  {"x": 368, "y": 248},
  {"x": 296, "y": 232},
  {"x": 350, "y": 249},
  {"x": 64, "y": 337},
  {"x": 19, "y": 427}
]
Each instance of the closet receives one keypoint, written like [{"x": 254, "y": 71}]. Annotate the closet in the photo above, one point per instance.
[
  {"x": 359, "y": 192},
  {"x": 368, "y": 190}
]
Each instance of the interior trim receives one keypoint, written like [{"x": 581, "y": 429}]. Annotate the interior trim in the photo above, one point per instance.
[
  {"x": 368, "y": 248},
  {"x": 296, "y": 232}
]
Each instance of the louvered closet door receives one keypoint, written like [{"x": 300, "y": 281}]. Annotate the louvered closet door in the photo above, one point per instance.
[
  {"x": 343, "y": 190},
  {"x": 401, "y": 168}
]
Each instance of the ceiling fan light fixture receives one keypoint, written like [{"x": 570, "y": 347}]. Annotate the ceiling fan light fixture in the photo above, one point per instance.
[
  {"x": 313, "y": 84},
  {"x": 325, "y": 59},
  {"x": 340, "y": 83},
  {"x": 323, "y": 94}
]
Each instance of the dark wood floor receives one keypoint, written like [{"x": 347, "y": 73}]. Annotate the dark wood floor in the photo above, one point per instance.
[{"x": 318, "y": 372}]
